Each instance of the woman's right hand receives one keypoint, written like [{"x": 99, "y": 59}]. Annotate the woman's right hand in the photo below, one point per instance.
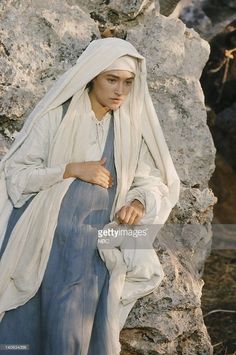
[{"x": 90, "y": 171}]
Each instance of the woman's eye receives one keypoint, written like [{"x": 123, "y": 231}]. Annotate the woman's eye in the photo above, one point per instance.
[
  {"x": 111, "y": 80},
  {"x": 129, "y": 83}
]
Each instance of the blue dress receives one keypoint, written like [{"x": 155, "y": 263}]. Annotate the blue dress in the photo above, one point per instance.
[{"x": 68, "y": 314}]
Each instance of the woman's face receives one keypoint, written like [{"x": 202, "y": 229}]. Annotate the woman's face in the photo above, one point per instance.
[{"x": 111, "y": 88}]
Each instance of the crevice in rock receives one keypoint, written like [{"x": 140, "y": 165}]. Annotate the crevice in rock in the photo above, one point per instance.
[{"x": 5, "y": 50}]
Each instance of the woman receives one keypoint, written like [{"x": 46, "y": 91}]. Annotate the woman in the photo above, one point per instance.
[{"x": 69, "y": 173}]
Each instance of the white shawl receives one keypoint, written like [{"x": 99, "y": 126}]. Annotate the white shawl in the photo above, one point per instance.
[{"x": 24, "y": 261}]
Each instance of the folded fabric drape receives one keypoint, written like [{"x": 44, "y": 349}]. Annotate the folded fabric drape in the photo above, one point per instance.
[{"x": 24, "y": 261}]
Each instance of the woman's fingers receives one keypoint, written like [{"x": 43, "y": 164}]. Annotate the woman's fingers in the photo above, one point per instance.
[
  {"x": 104, "y": 171},
  {"x": 96, "y": 173},
  {"x": 121, "y": 214},
  {"x": 137, "y": 219},
  {"x": 103, "y": 181},
  {"x": 102, "y": 177},
  {"x": 126, "y": 215},
  {"x": 92, "y": 171},
  {"x": 130, "y": 214}
]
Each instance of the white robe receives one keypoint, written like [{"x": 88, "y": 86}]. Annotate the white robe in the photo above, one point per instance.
[
  {"x": 27, "y": 172},
  {"x": 144, "y": 167}
]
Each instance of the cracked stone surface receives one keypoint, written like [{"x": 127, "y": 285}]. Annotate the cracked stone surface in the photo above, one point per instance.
[{"x": 39, "y": 41}]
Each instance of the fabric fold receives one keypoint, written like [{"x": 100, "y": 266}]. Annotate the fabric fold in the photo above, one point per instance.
[{"x": 25, "y": 258}]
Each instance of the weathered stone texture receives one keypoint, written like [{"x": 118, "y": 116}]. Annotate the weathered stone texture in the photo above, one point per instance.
[
  {"x": 175, "y": 59},
  {"x": 39, "y": 41}
]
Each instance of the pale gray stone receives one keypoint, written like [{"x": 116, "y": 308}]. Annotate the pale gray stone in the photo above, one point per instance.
[
  {"x": 39, "y": 41},
  {"x": 131, "y": 8},
  {"x": 124, "y": 9},
  {"x": 168, "y": 6},
  {"x": 175, "y": 58}
]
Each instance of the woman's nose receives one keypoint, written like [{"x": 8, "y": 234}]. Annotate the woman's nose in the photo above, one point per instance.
[{"x": 119, "y": 90}]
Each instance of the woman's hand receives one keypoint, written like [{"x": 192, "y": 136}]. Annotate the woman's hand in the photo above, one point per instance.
[
  {"x": 130, "y": 214},
  {"x": 90, "y": 171}
]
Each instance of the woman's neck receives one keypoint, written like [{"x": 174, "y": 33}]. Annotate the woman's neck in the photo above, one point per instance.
[{"x": 99, "y": 110}]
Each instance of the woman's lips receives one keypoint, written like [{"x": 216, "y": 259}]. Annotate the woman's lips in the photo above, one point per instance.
[{"x": 116, "y": 100}]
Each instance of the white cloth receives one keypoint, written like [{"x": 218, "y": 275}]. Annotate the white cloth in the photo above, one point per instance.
[
  {"x": 97, "y": 136},
  {"x": 24, "y": 261},
  {"x": 123, "y": 63},
  {"x": 26, "y": 172}
]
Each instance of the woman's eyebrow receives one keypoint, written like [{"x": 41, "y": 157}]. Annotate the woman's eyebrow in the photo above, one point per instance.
[{"x": 117, "y": 77}]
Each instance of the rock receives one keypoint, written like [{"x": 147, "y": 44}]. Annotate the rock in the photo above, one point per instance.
[
  {"x": 173, "y": 72},
  {"x": 131, "y": 8},
  {"x": 194, "y": 233},
  {"x": 169, "y": 321},
  {"x": 146, "y": 341},
  {"x": 112, "y": 11},
  {"x": 191, "y": 12},
  {"x": 168, "y": 6},
  {"x": 46, "y": 40},
  {"x": 113, "y": 16}
]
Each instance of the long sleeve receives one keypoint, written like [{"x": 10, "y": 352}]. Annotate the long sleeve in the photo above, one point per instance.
[
  {"x": 27, "y": 172},
  {"x": 148, "y": 186}
]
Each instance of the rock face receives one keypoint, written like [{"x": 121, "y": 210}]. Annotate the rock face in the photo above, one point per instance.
[
  {"x": 168, "y": 6},
  {"x": 170, "y": 320},
  {"x": 47, "y": 38},
  {"x": 174, "y": 71}
]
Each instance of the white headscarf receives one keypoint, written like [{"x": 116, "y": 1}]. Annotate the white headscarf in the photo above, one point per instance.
[
  {"x": 125, "y": 62},
  {"x": 24, "y": 261}
]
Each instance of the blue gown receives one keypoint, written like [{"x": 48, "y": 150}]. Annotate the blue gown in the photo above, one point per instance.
[{"x": 68, "y": 314}]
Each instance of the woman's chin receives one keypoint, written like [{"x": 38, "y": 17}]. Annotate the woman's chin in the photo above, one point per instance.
[{"x": 115, "y": 106}]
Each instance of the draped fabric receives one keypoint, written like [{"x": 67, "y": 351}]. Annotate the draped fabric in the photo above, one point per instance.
[
  {"x": 24, "y": 261},
  {"x": 71, "y": 303}
]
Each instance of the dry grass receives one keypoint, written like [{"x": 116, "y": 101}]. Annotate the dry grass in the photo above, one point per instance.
[{"x": 219, "y": 300}]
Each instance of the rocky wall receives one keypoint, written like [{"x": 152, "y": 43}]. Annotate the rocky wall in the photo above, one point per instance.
[{"x": 38, "y": 42}]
